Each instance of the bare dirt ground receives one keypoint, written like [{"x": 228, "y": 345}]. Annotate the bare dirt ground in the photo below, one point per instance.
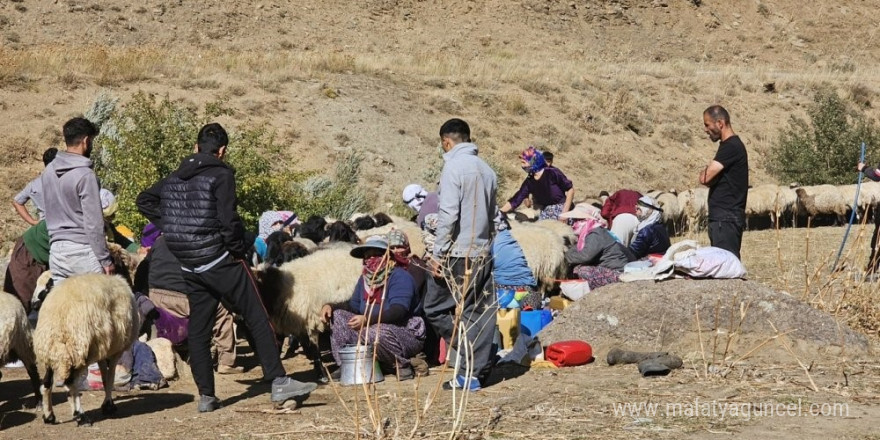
[
  {"x": 590, "y": 401},
  {"x": 614, "y": 87}
]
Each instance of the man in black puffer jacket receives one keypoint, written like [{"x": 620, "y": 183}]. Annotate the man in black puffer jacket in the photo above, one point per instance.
[{"x": 195, "y": 208}]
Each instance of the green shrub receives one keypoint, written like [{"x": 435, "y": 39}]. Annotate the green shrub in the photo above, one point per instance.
[
  {"x": 825, "y": 149},
  {"x": 147, "y": 138},
  {"x": 339, "y": 197}
]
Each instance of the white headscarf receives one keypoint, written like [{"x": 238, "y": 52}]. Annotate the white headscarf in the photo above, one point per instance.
[
  {"x": 650, "y": 213},
  {"x": 414, "y": 195}
]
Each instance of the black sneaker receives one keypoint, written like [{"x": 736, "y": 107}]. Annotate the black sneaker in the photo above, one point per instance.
[
  {"x": 285, "y": 388},
  {"x": 208, "y": 403}
]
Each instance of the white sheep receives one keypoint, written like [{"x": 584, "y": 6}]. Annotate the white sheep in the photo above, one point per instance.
[
  {"x": 694, "y": 207},
  {"x": 562, "y": 229},
  {"x": 544, "y": 250},
  {"x": 310, "y": 245},
  {"x": 822, "y": 200},
  {"x": 412, "y": 231},
  {"x": 295, "y": 292},
  {"x": 16, "y": 339},
  {"x": 761, "y": 201},
  {"x": 786, "y": 201},
  {"x": 668, "y": 202},
  {"x": 85, "y": 319},
  {"x": 165, "y": 360},
  {"x": 869, "y": 194}
]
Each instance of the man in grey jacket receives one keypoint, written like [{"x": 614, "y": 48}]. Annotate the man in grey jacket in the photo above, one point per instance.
[
  {"x": 462, "y": 256},
  {"x": 73, "y": 207}
]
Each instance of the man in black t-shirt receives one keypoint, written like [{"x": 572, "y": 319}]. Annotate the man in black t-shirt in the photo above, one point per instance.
[{"x": 727, "y": 177}]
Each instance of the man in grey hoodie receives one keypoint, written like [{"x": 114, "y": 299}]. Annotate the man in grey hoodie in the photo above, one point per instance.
[
  {"x": 73, "y": 207},
  {"x": 462, "y": 255}
]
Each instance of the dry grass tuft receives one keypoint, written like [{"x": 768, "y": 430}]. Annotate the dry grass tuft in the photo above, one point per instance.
[{"x": 516, "y": 105}]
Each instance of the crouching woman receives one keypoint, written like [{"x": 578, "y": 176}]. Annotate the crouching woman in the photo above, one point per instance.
[
  {"x": 598, "y": 257},
  {"x": 382, "y": 311}
]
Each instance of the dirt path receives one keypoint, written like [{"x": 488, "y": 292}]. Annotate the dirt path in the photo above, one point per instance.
[{"x": 583, "y": 402}]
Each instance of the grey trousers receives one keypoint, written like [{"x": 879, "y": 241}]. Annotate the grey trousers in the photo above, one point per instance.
[
  {"x": 67, "y": 258},
  {"x": 478, "y": 310}
]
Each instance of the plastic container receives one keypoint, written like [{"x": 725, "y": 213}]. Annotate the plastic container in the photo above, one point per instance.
[
  {"x": 508, "y": 325},
  {"x": 559, "y": 302},
  {"x": 505, "y": 296},
  {"x": 358, "y": 366},
  {"x": 531, "y": 322},
  {"x": 569, "y": 353}
]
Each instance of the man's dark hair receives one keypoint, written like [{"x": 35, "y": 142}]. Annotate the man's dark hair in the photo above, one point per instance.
[
  {"x": 211, "y": 138},
  {"x": 76, "y": 129},
  {"x": 49, "y": 155},
  {"x": 456, "y": 129},
  {"x": 548, "y": 157},
  {"x": 718, "y": 113}
]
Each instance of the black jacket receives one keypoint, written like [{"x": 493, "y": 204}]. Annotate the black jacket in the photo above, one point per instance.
[{"x": 195, "y": 208}]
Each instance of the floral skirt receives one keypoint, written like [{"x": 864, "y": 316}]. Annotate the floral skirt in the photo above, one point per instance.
[
  {"x": 551, "y": 212},
  {"x": 596, "y": 276}
]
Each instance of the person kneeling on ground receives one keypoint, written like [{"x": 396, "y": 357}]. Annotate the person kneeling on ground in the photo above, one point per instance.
[
  {"x": 651, "y": 234},
  {"x": 620, "y": 212},
  {"x": 167, "y": 290},
  {"x": 551, "y": 190},
  {"x": 382, "y": 311},
  {"x": 597, "y": 258}
]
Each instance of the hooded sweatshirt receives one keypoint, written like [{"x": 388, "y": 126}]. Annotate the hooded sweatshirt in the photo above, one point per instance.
[
  {"x": 195, "y": 208},
  {"x": 73, "y": 201},
  {"x": 465, "y": 220}
]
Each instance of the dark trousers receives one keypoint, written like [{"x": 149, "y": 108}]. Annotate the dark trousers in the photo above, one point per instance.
[
  {"x": 872, "y": 260},
  {"x": 231, "y": 282},
  {"x": 478, "y": 309},
  {"x": 726, "y": 234}
]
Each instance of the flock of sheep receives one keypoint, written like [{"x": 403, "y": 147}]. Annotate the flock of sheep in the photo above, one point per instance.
[
  {"x": 688, "y": 211},
  {"x": 93, "y": 318}
]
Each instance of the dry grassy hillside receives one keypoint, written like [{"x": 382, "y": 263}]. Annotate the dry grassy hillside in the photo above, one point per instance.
[{"x": 615, "y": 88}]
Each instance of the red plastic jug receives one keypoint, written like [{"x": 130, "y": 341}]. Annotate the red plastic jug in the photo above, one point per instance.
[{"x": 569, "y": 353}]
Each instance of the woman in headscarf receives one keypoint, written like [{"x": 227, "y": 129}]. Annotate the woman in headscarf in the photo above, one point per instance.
[
  {"x": 515, "y": 284},
  {"x": 597, "y": 257},
  {"x": 383, "y": 310},
  {"x": 651, "y": 234},
  {"x": 551, "y": 191},
  {"x": 271, "y": 221}
]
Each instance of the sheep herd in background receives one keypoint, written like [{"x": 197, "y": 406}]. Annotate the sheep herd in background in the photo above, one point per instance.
[{"x": 767, "y": 205}]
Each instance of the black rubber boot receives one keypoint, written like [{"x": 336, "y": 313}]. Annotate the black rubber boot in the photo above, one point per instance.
[
  {"x": 659, "y": 365},
  {"x": 618, "y": 356}
]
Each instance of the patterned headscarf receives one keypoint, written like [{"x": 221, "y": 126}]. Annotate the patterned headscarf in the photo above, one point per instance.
[
  {"x": 267, "y": 219},
  {"x": 534, "y": 158},
  {"x": 397, "y": 238},
  {"x": 583, "y": 228}
]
